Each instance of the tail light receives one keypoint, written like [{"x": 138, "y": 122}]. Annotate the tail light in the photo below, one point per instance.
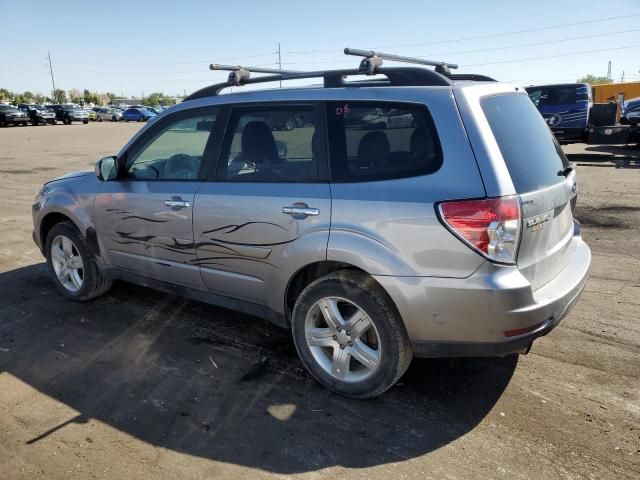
[{"x": 491, "y": 225}]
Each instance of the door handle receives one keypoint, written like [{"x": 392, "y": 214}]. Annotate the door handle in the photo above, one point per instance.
[
  {"x": 175, "y": 202},
  {"x": 301, "y": 211}
]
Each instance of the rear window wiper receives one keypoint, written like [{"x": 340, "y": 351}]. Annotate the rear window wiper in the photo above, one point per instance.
[{"x": 566, "y": 171}]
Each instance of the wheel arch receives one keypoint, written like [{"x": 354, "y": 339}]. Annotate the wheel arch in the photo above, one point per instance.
[
  {"x": 54, "y": 217},
  {"x": 311, "y": 272},
  {"x": 51, "y": 219}
]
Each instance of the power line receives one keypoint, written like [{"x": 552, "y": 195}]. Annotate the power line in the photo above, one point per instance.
[
  {"x": 195, "y": 62},
  {"x": 584, "y": 52},
  {"x": 547, "y": 42},
  {"x": 479, "y": 37}
]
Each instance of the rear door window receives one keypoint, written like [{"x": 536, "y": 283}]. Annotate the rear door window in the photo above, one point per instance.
[
  {"x": 379, "y": 141},
  {"x": 532, "y": 154},
  {"x": 277, "y": 143}
]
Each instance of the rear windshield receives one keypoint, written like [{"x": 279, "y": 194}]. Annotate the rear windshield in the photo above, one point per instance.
[{"x": 531, "y": 152}]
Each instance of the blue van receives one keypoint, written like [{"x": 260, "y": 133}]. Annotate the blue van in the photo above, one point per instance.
[{"x": 565, "y": 108}]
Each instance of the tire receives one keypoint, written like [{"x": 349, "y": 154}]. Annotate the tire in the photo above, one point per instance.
[
  {"x": 114, "y": 119},
  {"x": 66, "y": 121},
  {"x": 126, "y": 119},
  {"x": 353, "y": 292},
  {"x": 289, "y": 124},
  {"x": 3, "y": 122},
  {"x": 140, "y": 119},
  {"x": 99, "y": 119},
  {"x": 93, "y": 283},
  {"x": 24, "y": 124},
  {"x": 85, "y": 121},
  {"x": 34, "y": 122}
]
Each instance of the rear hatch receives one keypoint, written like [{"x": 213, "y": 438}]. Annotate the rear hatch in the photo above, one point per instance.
[{"x": 543, "y": 179}]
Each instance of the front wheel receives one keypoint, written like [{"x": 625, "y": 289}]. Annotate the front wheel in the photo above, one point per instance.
[
  {"x": 349, "y": 335},
  {"x": 72, "y": 268},
  {"x": 99, "y": 119}
]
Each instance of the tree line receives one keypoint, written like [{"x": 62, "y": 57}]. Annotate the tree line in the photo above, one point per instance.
[{"x": 76, "y": 96}]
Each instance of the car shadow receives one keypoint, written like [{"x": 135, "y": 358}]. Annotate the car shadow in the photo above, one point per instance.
[
  {"x": 617, "y": 156},
  {"x": 221, "y": 385}
]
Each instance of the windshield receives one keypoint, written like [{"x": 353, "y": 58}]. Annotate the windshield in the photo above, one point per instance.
[{"x": 530, "y": 151}]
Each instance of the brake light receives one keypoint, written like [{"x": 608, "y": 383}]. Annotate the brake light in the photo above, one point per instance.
[{"x": 490, "y": 226}]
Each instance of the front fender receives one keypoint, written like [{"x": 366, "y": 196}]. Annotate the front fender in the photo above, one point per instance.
[{"x": 72, "y": 197}]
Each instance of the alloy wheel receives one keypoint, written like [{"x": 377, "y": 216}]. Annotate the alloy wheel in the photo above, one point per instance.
[
  {"x": 67, "y": 263},
  {"x": 343, "y": 339}
]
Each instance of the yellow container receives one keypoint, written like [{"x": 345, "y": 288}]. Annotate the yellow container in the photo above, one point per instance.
[{"x": 608, "y": 92}]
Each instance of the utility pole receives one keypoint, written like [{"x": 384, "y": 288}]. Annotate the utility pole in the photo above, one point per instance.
[
  {"x": 622, "y": 79},
  {"x": 53, "y": 92},
  {"x": 279, "y": 61},
  {"x": 609, "y": 70}
]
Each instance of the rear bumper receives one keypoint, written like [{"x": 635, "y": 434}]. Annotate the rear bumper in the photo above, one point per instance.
[{"x": 469, "y": 317}]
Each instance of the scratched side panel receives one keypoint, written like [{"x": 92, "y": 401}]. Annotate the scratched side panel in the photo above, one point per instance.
[
  {"x": 247, "y": 248},
  {"x": 139, "y": 233}
]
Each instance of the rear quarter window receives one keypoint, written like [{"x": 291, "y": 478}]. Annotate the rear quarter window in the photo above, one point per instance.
[
  {"x": 379, "y": 141},
  {"x": 530, "y": 151}
]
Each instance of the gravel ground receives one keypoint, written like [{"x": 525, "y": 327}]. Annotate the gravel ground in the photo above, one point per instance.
[{"x": 140, "y": 384}]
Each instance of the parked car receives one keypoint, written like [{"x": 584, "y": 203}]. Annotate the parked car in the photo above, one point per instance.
[
  {"x": 10, "y": 115},
  {"x": 67, "y": 113},
  {"x": 38, "y": 114},
  {"x": 108, "y": 114},
  {"x": 137, "y": 115},
  {"x": 631, "y": 112},
  {"x": 92, "y": 115},
  {"x": 438, "y": 238}
]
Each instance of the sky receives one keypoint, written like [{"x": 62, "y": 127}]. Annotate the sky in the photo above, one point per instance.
[{"x": 133, "y": 47}]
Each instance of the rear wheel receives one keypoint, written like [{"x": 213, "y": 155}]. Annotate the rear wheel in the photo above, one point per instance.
[
  {"x": 72, "y": 268},
  {"x": 85, "y": 121},
  {"x": 140, "y": 118},
  {"x": 34, "y": 122},
  {"x": 349, "y": 335},
  {"x": 99, "y": 119}
]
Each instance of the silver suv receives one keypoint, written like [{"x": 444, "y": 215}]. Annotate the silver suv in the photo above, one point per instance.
[{"x": 416, "y": 213}]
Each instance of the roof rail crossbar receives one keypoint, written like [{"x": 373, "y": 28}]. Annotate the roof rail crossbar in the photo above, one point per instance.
[
  {"x": 399, "y": 76},
  {"x": 239, "y": 75},
  {"x": 373, "y": 61}
]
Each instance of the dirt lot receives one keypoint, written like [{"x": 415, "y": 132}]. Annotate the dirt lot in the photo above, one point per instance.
[{"x": 139, "y": 384}]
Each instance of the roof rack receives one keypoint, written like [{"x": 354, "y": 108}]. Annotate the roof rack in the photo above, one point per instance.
[
  {"x": 239, "y": 74},
  {"x": 373, "y": 60},
  {"x": 370, "y": 65}
]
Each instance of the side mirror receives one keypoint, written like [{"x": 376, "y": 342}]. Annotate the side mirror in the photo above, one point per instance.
[
  {"x": 107, "y": 168},
  {"x": 282, "y": 149}
]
